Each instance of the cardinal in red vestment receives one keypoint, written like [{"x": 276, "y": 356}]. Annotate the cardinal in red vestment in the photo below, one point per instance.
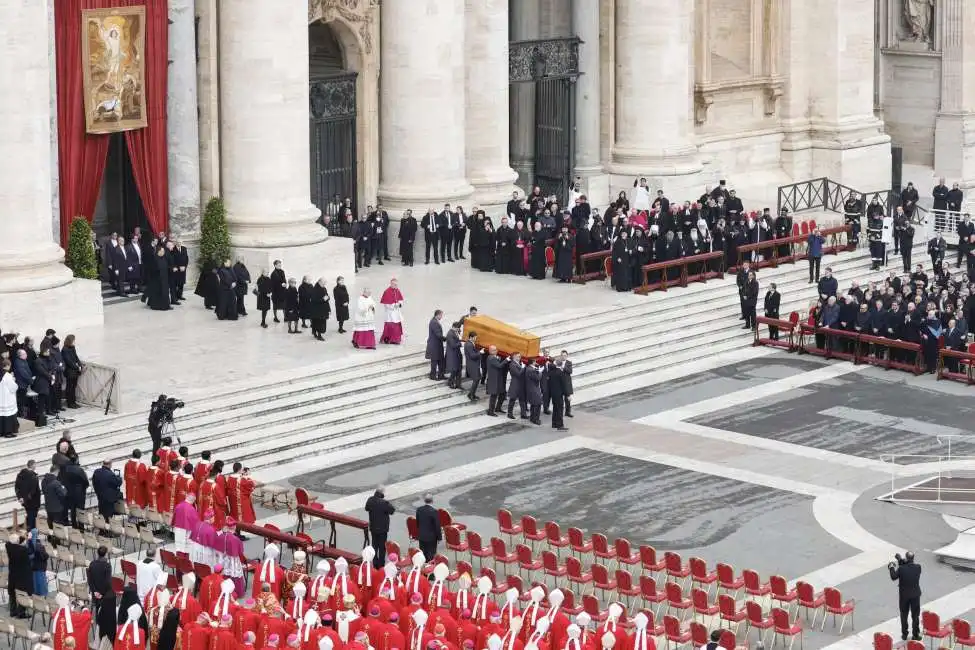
[
  {"x": 438, "y": 597},
  {"x": 612, "y": 626},
  {"x": 483, "y": 605},
  {"x": 532, "y": 612},
  {"x": 320, "y": 582},
  {"x": 297, "y": 573},
  {"x": 297, "y": 606},
  {"x": 225, "y": 604},
  {"x": 486, "y": 630},
  {"x": 196, "y": 635},
  {"x": 210, "y": 588},
  {"x": 151, "y": 599},
  {"x": 537, "y": 638},
  {"x": 183, "y": 600},
  {"x": 512, "y": 638},
  {"x": 440, "y": 636},
  {"x": 391, "y": 588},
  {"x": 185, "y": 485},
  {"x": 269, "y": 573},
  {"x": 223, "y": 638},
  {"x": 134, "y": 476},
  {"x": 406, "y": 621},
  {"x": 342, "y": 586},
  {"x": 558, "y": 621},
  {"x": 465, "y": 629},
  {"x": 510, "y": 609},
  {"x": 640, "y": 640},
  {"x": 463, "y": 599},
  {"x": 129, "y": 635},
  {"x": 367, "y": 578},
  {"x": 419, "y": 637},
  {"x": 390, "y": 638},
  {"x": 202, "y": 470},
  {"x": 415, "y": 581},
  {"x": 245, "y": 496},
  {"x": 67, "y": 624},
  {"x": 246, "y": 619}
]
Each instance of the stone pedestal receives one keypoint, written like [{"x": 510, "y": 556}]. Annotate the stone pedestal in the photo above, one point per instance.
[
  {"x": 524, "y": 23},
  {"x": 422, "y": 107},
  {"x": 36, "y": 290},
  {"x": 654, "y": 127},
  {"x": 182, "y": 125},
  {"x": 486, "y": 56}
]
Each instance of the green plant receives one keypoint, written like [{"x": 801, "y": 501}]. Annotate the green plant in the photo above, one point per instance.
[
  {"x": 214, "y": 235},
  {"x": 80, "y": 255}
]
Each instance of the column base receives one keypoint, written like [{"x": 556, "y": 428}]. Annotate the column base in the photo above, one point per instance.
[
  {"x": 854, "y": 153},
  {"x": 954, "y": 147},
  {"x": 328, "y": 259},
  {"x": 65, "y": 308},
  {"x": 421, "y": 199},
  {"x": 493, "y": 189},
  {"x": 525, "y": 170},
  {"x": 596, "y": 183}
]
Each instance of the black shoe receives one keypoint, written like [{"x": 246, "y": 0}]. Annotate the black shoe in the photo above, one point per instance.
[
  {"x": 538, "y": 422},
  {"x": 341, "y": 331},
  {"x": 264, "y": 325},
  {"x": 568, "y": 415},
  {"x": 380, "y": 263},
  {"x": 511, "y": 417},
  {"x": 432, "y": 377},
  {"x": 561, "y": 429},
  {"x": 492, "y": 414},
  {"x": 437, "y": 263},
  {"x": 277, "y": 320},
  {"x": 73, "y": 406},
  {"x": 440, "y": 377},
  {"x": 427, "y": 262},
  {"x": 745, "y": 327},
  {"x": 547, "y": 412},
  {"x": 388, "y": 259}
]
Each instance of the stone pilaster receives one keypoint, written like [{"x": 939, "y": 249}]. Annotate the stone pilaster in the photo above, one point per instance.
[
  {"x": 36, "y": 290},
  {"x": 585, "y": 25},
  {"x": 486, "y": 55},
  {"x": 954, "y": 147},
  {"x": 265, "y": 140},
  {"x": 422, "y": 121},
  {"x": 524, "y": 23},
  {"x": 654, "y": 120},
  {"x": 182, "y": 125},
  {"x": 208, "y": 99}
]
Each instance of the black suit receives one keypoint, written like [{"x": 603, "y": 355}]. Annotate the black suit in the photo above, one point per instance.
[
  {"x": 556, "y": 390},
  {"x": 428, "y": 530},
  {"x": 445, "y": 236},
  {"x": 908, "y": 578},
  {"x": 379, "y": 510}
]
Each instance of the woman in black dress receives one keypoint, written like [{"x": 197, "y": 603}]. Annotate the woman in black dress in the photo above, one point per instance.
[
  {"x": 291, "y": 307},
  {"x": 263, "y": 293},
  {"x": 304, "y": 300},
  {"x": 318, "y": 308},
  {"x": 341, "y": 295},
  {"x": 279, "y": 289}
]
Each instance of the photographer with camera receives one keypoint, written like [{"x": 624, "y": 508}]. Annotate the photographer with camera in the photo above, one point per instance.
[
  {"x": 907, "y": 574},
  {"x": 160, "y": 414}
]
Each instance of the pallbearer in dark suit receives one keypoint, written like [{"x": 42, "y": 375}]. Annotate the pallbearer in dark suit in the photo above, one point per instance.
[
  {"x": 472, "y": 364},
  {"x": 458, "y": 231},
  {"x": 566, "y": 366},
  {"x": 556, "y": 390},
  {"x": 495, "y": 381},
  {"x": 429, "y": 225},
  {"x": 341, "y": 295},
  {"x": 772, "y": 300},
  {"x": 454, "y": 356},
  {"x": 133, "y": 260},
  {"x": 516, "y": 387},
  {"x": 428, "y": 528},
  {"x": 435, "y": 341},
  {"x": 533, "y": 391},
  {"x": 120, "y": 265}
]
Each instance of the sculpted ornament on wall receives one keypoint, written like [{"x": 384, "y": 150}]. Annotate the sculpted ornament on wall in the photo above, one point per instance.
[
  {"x": 358, "y": 13},
  {"x": 918, "y": 20}
]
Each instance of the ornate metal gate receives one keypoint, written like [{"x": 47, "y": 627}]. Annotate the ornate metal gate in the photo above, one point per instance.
[
  {"x": 553, "y": 66},
  {"x": 333, "y": 152}
]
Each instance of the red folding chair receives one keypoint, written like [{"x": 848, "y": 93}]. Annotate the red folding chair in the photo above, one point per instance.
[
  {"x": 834, "y": 605},
  {"x": 590, "y": 605},
  {"x": 626, "y": 588},
  {"x": 507, "y": 525},
  {"x": 754, "y": 585},
  {"x": 650, "y": 595},
  {"x": 549, "y": 257},
  {"x": 676, "y": 569},
  {"x": 526, "y": 562},
  {"x": 168, "y": 559},
  {"x": 476, "y": 548},
  {"x": 915, "y": 645},
  {"x": 578, "y": 543},
  {"x": 601, "y": 548},
  {"x": 783, "y": 628},
  {"x": 809, "y": 600},
  {"x": 118, "y": 586},
  {"x": 699, "y": 635},
  {"x": 652, "y": 628},
  {"x": 529, "y": 530},
  {"x": 554, "y": 538},
  {"x": 795, "y": 230},
  {"x": 729, "y": 613},
  {"x": 648, "y": 558},
  {"x": 676, "y": 600},
  {"x": 781, "y": 593},
  {"x": 574, "y": 573},
  {"x": 454, "y": 543},
  {"x": 702, "y": 606},
  {"x": 728, "y": 640},
  {"x": 128, "y": 570},
  {"x": 412, "y": 528},
  {"x": 962, "y": 631},
  {"x": 812, "y": 225},
  {"x": 804, "y": 228},
  {"x": 625, "y": 553},
  {"x": 461, "y": 567},
  {"x": 601, "y": 580},
  {"x": 569, "y": 604},
  {"x": 700, "y": 574},
  {"x": 551, "y": 567},
  {"x": 727, "y": 580},
  {"x": 756, "y": 620},
  {"x": 673, "y": 632},
  {"x": 883, "y": 641},
  {"x": 510, "y": 582},
  {"x": 302, "y": 498},
  {"x": 447, "y": 520},
  {"x": 172, "y": 582},
  {"x": 201, "y": 571},
  {"x": 501, "y": 555}
]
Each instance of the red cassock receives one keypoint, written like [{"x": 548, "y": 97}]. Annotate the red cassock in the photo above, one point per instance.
[
  {"x": 484, "y": 633},
  {"x": 368, "y": 580},
  {"x": 232, "y": 484},
  {"x": 219, "y": 502},
  {"x": 406, "y": 623},
  {"x": 557, "y": 634},
  {"x": 205, "y": 502},
  {"x": 442, "y": 642},
  {"x": 442, "y": 617},
  {"x": 530, "y": 618},
  {"x": 341, "y": 590},
  {"x": 439, "y": 597},
  {"x": 245, "y": 620},
  {"x": 223, "y": 639},
  {"x": 210, "y": 591},
  {"x": 462, "y": 600},
  {"x": 371, "y": 626},
  {"x": 164, "y": 453},
  {"x": 200, "y": 472},
  {"x": 509, "y": 642},
  {"x": 189, "y": 608},
  {"x": 135, "y": 489},
  {"x": 464, "y": 631},
  {"x": 482, "y": 609},
  {"x": 385, "y": 606},
  {"x": 389, "y": 638},
  {"x": 151, "y": 486},
  {"x": 167, "y": 491},
  {"x": 151, "y": 599},
  {"x": 80, "y": 627},
  {"x": 184, "y": 486},
  {"x": 295, "y": 609},
  {"x": 196, "y": 636},
  {"x": 278, "y": 572},
  {"x": 416, "y": 582},
  {"x": 317, "y": 584},
  {"x": 245, "y": 490},
  {"x": 334, "y": 636},
  {"x": 507, "y": 614},
  {"x": 269, "y": 626},
  {"x": 622, "y": 640},
  {"x": 129, "y": 637}
]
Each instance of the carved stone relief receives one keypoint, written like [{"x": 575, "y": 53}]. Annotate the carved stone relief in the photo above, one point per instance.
[{"x": 358, "y": 13}]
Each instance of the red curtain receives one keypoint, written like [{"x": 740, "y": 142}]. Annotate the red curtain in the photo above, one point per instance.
[{"x": 82, "y": 156}]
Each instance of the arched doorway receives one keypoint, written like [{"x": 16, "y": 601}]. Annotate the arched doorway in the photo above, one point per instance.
[{"x": 332, "y": 111}]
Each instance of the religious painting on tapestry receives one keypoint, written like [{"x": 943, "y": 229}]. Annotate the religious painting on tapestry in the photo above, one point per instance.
[{"x": 113, "y": 45}]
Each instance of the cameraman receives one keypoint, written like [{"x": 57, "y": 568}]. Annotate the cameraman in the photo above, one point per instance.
[
  {"x": 908, "y": 576},
  {"x": 156, "y": 417}
]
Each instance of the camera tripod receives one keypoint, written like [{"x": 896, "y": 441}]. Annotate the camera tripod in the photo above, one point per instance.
[
  {"x": 54, "y": 420},
  {"x": 169, "y": 431}
]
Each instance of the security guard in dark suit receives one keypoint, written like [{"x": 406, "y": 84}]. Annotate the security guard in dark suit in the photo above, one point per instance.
[
  {"x": 907, "y": 574},
  {"x": 428, "y": 528}
]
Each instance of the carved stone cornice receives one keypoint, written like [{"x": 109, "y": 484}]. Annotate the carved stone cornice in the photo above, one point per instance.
[
  {"x": 704, "y": 94},
  {"x": 361, "y": 14}
]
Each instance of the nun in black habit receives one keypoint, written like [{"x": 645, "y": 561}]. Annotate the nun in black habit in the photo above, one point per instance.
[
  {"x": 341, "y": 295},
  {"x": 130, "y": 596},
  {"x": 263, "y": 292},
  {"x": 207, "y": 285},
  {"x": 243, "y": 277},
  {"x": 227, "y": 296},
  {"x": 622, "y": 262},
  {"x": 169, "y": 633},
  {"x": 157, "y": 289},
  {"x": 105, "y": 617}
]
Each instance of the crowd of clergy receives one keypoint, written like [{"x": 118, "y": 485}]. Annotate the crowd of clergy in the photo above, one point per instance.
[{"x": 154, "y": 266}]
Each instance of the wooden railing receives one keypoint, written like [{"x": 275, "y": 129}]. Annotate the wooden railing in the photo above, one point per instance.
[
  {"x": 769, "y": 249},
  {"x": 859, "y": 349},
  {"x": 711, "y": 266},
  {"x": 786, "y": 327},
  {"x": 316, "y": 511},
  {"x": 589, "y": 263},
  {"x": 965, "y": 362}
]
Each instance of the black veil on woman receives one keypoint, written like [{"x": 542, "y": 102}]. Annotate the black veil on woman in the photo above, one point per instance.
[
  {"x": 106, "y": 620},
  {"x": 130, "y": 596},
  {"x": 169, "y": 632}
]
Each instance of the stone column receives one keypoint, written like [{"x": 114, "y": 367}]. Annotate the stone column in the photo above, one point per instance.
[
  {"x": 265, "y": 140},
  {"x": 585, "y": 25},
  {"x": 654, "y": 121},
  {"x": 182, "y": 125},
  {"x": 422, "y": 106},
  {"x": 523, "y": 26},
  {"x": 486, "y": 54},
  {"x": 36, "y": 289},
  {"x": 954, "y": 145}
]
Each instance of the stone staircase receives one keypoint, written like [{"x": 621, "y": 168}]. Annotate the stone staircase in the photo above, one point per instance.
[
  {"x": 111, "y": 297},
  {"x": 336, "y": 409}
]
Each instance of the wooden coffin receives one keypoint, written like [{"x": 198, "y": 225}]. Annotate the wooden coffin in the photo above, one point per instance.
[{"x": 506, "y": 338}]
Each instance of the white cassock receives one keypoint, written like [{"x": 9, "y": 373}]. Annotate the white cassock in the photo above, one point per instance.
[
  {"x": 365, "y": 315},
  {"x": 641, "y": 198}
]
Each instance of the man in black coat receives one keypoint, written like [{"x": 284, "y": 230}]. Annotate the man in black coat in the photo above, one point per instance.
[
  {"x": 107, "y": 486},
  {"x": 907, "y": 574},
  {"x": 455, "y": 356},
  {"x": 76, "y": 483},
  {"x": 741, "y": 279},
  {"x": 99, "y": 577},
  {"x": 20, "y": 575},
  {"x": 772, "y": 301},
  {"x": 556, "y": 390},
  {"x": 444, "y": 234},
  {"x": 495, "y": 381},
  {"x": 407, "y": 236},
  {"x": 428, "y": 528},
  {"x": 28, "y": 491},
  {"x": 516, "y": 387},
  {"x": 379, "y": 510},
  {"x": 435, "y": 341},
  {"x": 429, "y": 225},
  {"x": 55, "y": 497},
  {"x": 472, "y": 364}
]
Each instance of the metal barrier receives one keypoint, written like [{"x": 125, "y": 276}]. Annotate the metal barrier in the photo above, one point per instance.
[
  {"x": 773, "y": 259},
  {"x": 944, "y": 222},
  {"x": 825, "y": 194},
  {"x": 949, "y": 484}
]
